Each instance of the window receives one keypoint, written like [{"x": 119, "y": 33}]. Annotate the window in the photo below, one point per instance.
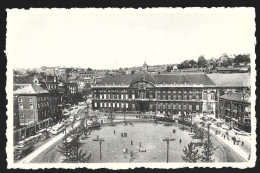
[
  {"x": 164, "y": 106},
  {"x": 179, "y": 107},
  {"x": 105, "y": 104},
  {"x": 174, "y": 97},
  {"x": 31, "y": 106},
  {"x": 184, "y": 107},
  {"x": 101, "y": 105},
  {"x": 159, "y": 107},
  {"x": 20, "y": 100},
  {"x": 169, "y": 106},
  {"x": 184, "y": 97},
  {"x": 109, "y": 104},
  {"x": 133, "y": 106},
  {"x": 197, "y": 107},
  {"x": 204, "y": 96},
  {"x": 95, "y": 105},
  {"x": 190, "y": 107},
  {"x": 179, "y": 97},
  {"x": 21, "y": 116},
  {"x": 212, "y": 96},
  {"x": 173, "y": 106},
  {"x": 20, "y": 106},
  {"x": 126, "y": 105}
]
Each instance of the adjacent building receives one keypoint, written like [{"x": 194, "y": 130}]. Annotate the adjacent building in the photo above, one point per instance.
[
  {"x": 235, "y": 108},
  {"x": 34, "y": 110}
]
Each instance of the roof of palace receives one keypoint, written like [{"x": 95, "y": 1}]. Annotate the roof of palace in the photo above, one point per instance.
[
  {"x": 171, "y": 78},
  {"x": 230, "y": 80},
  {"x": 31, "y": 89}
]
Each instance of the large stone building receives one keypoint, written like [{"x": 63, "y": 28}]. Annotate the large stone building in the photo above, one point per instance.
[
  {"x": 165, "y": 93},
  {"x": 235, "y": 108}
]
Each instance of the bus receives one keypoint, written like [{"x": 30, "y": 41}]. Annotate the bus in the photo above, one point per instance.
[
  {"x": 57, "y": 129},
  {"x": 24, "y": 145}
]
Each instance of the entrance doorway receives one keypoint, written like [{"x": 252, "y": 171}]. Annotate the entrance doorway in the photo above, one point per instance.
[{"x": 143, "y": 106}]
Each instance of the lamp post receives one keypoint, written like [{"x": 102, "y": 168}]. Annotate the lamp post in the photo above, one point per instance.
[
  {"x": 100, "y": 144},
  {"x": 168, "y": 141}
]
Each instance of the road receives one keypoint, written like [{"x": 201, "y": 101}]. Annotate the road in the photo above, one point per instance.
[{"x": 55, "y": 139}]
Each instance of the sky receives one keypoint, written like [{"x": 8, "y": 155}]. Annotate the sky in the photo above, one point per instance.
[{"x": 113, "y": 38}]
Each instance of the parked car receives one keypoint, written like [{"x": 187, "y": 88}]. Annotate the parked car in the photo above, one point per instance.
[{"x": 142, "y": 149}]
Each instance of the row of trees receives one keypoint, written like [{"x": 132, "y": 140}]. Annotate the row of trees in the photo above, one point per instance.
[
  {"x": 70, "y": 149},
  {"x": 191, "y": 152},
  {"x": 223, "y": 61}
]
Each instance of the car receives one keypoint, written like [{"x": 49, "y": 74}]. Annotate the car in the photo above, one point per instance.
[
  {"x": 191, "y": 133},
  {"x": 142, "y": 149}
]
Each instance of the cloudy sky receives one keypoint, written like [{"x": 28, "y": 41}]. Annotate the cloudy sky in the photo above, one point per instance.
[{"x": 114, "y": 38}]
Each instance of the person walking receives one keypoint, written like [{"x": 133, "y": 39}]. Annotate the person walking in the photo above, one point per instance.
[
  {"x": 114, "y": 132},
  {"x": 131, "y": 142},
  {"x": 180, "y": 140}
]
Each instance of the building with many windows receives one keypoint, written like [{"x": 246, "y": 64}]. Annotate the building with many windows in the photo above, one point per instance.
[
  {"x": 235, "y": 108},
  {"x": 173, "y": 93}
]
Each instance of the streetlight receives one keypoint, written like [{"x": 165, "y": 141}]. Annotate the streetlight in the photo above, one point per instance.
[
  {"x": 100, "y": 144},
  {"x": 168, "y": 141}
]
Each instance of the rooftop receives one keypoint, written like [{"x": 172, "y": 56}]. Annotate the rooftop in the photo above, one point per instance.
[
  {"x": 31, "y": 89},
  {"x": 240, "y": 97},
  {"x": 230, "y": 80},
  {"x": 171, "y": 78}
]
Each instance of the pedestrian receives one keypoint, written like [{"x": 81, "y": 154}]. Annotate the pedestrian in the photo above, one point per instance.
[
  {"x": 180, "y": 140},
  {"x": 131, "y": 142},
  {"x": 122, "y": 135},
  {"x": 114, "y": 132},
  {"x": 234, "y": 142},
  {"x": 249, "y": 157},
  {"x": 242, "y": 143},
  {"x": 140, "y": 145},
  {"x": 224, "y": 136}
]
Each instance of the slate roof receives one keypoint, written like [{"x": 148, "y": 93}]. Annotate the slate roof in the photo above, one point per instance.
[
  {"x": 235, "y": 97},
  {"x": 230, "y": 80},
  {"x": 30, "y": 89},
  {"x": 181, "y": 78}
]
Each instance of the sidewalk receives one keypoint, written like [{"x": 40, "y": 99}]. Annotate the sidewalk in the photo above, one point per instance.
[{"x": 243, "y": 151}]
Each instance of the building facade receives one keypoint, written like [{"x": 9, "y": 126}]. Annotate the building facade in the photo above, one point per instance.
[
  {"x": 235, "y": 108},
  {"x": 168, "y": 93}
]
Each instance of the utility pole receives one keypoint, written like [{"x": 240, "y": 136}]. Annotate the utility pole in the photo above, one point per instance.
[
  {"x": 168, "y": 141},
  {"x": 100, "y": 144},
  {"x": 124, "y": 113},
  {"x": 208, "y": 142},
  {"x": 191, "y": 124}
]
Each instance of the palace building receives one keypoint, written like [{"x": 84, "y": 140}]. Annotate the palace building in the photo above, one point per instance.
[{"x": 173, "y": 93}]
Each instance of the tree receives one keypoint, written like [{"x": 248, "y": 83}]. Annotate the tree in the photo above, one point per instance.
[
  {"x": 202, "y": 62},
  {"x": 68, "y": 70},
  {"x": 192, "y": 63},
  {"x": 207, "y": 152},
  {"x": 213, "y": 62},
  {"x": 70, "y": 150},
  {"x": 89, "y": 69},
  {"x": 169, "y": 68},
  {"x": 200, "y": 133},
  {"x": 242, "y": 58},
  {"x": 111, "y": 117},
  {"x": 191, "y": 154}
]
